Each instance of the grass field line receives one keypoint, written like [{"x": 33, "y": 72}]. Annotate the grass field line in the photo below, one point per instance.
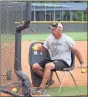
[{"x": 77, "y": 36}]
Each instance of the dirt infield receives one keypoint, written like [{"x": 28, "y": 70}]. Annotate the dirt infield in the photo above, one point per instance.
[
  {"x": 7, "y": 62},
  {"x": 81, "y": 78}
]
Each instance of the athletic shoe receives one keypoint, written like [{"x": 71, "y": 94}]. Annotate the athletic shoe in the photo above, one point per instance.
[{"x": 49, "y": 83}]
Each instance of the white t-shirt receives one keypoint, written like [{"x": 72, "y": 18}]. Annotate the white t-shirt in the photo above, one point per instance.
[{"x": 60, "y": 48}]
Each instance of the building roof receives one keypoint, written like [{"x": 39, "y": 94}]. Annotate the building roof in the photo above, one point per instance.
[
  {"x": 45, "y": 6},
  {"x": 59, "y": 6}
]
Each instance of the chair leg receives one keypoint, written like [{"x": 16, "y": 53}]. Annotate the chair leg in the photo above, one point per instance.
[
  {"x": 73, "y": 79},
  {"x": 62, "y": 80},
  {"x": 58, "y": 77}
]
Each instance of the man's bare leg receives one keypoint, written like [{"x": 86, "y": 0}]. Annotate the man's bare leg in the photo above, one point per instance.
[
  {"x": 39, "y": 70},
  {"x": 47, "y": 73}
]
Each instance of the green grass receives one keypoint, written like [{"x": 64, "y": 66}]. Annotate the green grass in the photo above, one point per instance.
[
  {"x": 67, "y": 91},
  {"x": 7, "y": 38},
  {"x": 75, "y": 35}
]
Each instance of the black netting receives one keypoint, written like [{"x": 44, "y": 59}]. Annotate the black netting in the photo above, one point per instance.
[{"x": 9, "y": 12}]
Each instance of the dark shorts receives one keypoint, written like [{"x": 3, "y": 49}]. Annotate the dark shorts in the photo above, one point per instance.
[{"x": 59, "y": 64}]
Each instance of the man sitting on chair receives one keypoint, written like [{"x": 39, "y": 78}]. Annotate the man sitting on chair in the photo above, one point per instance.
[{"x": 59, "y": 46}]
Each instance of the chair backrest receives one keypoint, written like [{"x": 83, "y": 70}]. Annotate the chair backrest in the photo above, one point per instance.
[
  {"x": 72, "y": 62},
  {"x": 38, "y": 56},
  {"x": 72, "y": 58}
]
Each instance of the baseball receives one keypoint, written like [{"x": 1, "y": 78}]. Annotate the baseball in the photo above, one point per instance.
[
  {"x": 35, "y": 48},
  {"x": 83, "y": 70},
  {"x": 14, "y": 90}
]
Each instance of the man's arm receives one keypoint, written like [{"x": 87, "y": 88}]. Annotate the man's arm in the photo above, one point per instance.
[{"x": 78, "y": 55}]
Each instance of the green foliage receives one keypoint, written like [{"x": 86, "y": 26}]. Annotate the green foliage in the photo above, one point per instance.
[{"x": 79, "y": 15}]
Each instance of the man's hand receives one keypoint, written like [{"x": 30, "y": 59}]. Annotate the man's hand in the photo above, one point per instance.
[
  {"x": 41, "y": 48},
  {"x": 81, "y": 65},
  {"x": 38, "y": 48}
]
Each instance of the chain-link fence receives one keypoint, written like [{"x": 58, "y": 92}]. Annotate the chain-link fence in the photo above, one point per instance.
[
  {"x": 14, "y": 12},
  {"x": 43, "y": 27},
  {"x": 9, "y": 12}
]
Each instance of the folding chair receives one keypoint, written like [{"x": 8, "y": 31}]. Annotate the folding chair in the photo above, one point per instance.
[
  {"x": 36, "y": 58},
  {"x": 68, "y": 70}
]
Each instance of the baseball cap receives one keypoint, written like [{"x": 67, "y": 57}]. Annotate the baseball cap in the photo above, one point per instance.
[{"x": 56, "y": 25}]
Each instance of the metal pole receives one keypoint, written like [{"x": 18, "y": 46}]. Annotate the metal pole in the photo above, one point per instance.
[
  {"x": 45, "y": 11},
  {"x": 17, "y": 64},
  {"x": 82, "y": 16},
  {"x": 50, "y": 16},
  {"x": 34, "y": 14},
  {"x": 28, "y": 11},
  {"x": 70, "y": 15},
  {"x": 62, "y": 14},
  {"x": 54, "y": 13}
]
